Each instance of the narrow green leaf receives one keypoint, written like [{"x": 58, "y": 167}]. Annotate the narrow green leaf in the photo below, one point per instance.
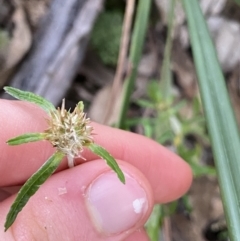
[
  {"x": 220, "y": 118},
  {"x": 154, "y": 222},
  {"x": 29, "y": 96},
  {"x": 100, "y": 151},
  {"x": 32, "y": 185},
  {"x": 28, "y": 137},
  {"x": 166, "y": 77},
  {"x": 135, "y": 53}
]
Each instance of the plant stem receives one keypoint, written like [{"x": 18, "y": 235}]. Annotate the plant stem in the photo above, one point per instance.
[
  {"x": 117, "y": 82},
  {"x": 138, "y": 37}
]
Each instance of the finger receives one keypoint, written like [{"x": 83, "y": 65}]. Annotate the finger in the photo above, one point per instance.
[
  {"x": 4, "y": 194},
  {"x": 87, "y": 202},
  {"x": 169, "y": 176},
  {"x": 138, "y": 235},
  {"x": 19, "y": 162}
]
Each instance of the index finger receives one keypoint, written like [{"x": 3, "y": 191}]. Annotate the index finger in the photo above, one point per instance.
[{"x": 158, "y": 164}]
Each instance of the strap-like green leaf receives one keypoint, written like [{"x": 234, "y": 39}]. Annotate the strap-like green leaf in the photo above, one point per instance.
[
  {"x": 135, "y": 53},
  {"x": 221, "y": 121},
  {"x": 28, "y": 137},
  {"x": 29, "y": 96},
  {"x": 32, "y": 185},
  {"x": 100, "y": 151}
]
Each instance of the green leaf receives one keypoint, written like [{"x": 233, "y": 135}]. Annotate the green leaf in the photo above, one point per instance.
[
  {"x": 28, "y": 137},
  {"x": 220, "y": 118},
  {"x": 145, "y": 103},
  {"x": 166, "y": 74},
  {"x": 100, "y": 151},
  {"x": 154, "y": 222},
  {"x": 135, "y": 53},
  {"x": 30, "y": 97},
  {"x": 32, "y": 185}
]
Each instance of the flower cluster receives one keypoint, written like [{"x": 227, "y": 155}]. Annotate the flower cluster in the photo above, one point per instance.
[{"x": 69, "y": 131}]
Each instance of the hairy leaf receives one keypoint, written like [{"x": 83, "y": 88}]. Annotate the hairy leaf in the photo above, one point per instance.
[
  {"x": 32, "y": 185},
  {"x": 100, "y": 151},
  {"x": 25, "y": 138},
  {"x": 30, "y": 97}
]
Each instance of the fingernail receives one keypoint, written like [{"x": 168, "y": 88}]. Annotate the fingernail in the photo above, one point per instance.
[{"x": 113, "y": 206}]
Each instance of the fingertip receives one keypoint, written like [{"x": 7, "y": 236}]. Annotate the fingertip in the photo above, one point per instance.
[
  {"x": 138, "y": 235},
  {"x": 182, "y": 180},
  {"x": 175, "y": 181},
  {"x": 116, "y": 207},
  {"x": 87, "y": 202}
]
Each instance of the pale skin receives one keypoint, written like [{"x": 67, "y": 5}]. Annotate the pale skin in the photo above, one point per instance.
[{"x": 163, "y": 175}]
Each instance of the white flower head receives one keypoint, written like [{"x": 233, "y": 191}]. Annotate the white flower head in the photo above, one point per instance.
[{"x": 69, "y": 131}]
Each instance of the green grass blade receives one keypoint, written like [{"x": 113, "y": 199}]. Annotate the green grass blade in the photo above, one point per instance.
[
  {"x": 153, "y": 224},
  {"x": 221, "y": 122},
  {"x": 28, "y": 137},
  {"x": 166, "y": 77},
  {"x": 100, "y": 151},
  {"x": 31, "y": 186},
  {"x": 29, "y": 96},
  {"x": 138, "y": 37}
]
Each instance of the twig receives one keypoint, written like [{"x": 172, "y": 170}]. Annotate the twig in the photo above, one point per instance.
[
  {"x": 58, "y": 49},
  {"x": 117, "y": 82},
  {"x": 135, "y": 53},
  {"x": 167, "y": 229}
]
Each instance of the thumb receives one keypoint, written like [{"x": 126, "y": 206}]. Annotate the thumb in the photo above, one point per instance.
[{"x": 87, "y": 202}]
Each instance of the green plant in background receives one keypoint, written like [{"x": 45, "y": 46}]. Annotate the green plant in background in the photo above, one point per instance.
[
  {"x": 4, "y": 38},
  {"x": 135, "y": 53},
  {"x": 220, "y": 118},
  {"x": 68, "y": 132},
  {"x": 219, "y": 115},
  {"x": 168, "y": 126},
  {"x": 237, "y": 1},
  {"x": 106, "y": 35}
]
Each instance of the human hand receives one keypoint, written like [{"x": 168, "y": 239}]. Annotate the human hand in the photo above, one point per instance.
[{"x": 87, "y": 202}]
